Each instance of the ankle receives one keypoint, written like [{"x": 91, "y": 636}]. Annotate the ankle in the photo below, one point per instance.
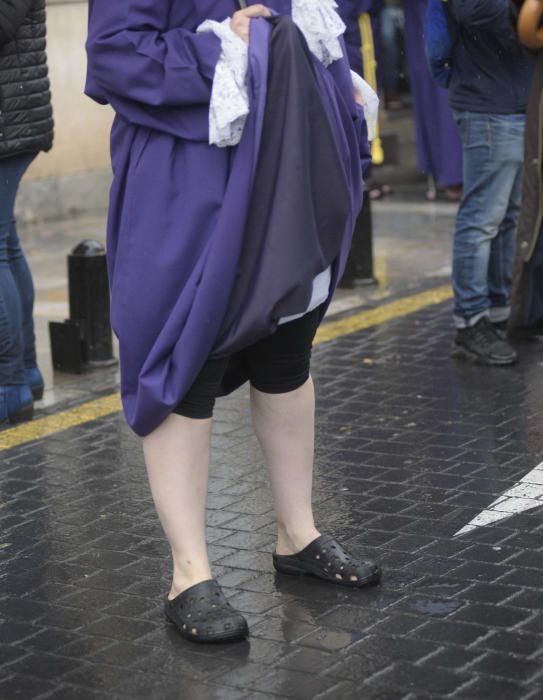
[
  {"x": 291, "y": 540},
  {"x": 181, "y": 584},
  {"x": 189, "y": 575}
]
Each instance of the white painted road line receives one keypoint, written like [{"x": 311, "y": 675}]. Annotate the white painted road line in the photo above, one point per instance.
[{"x": 525, "y": 495}]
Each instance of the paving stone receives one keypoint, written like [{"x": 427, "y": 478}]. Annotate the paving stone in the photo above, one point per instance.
[
  {"x": 535, "y": 624},
  {"x": 350, "y": 617},
  {"x": 398, "y": 624},
  {"x": 43, "y": 666},
  {"x": 410, "y": 448},
  {"x": 181, "y": 661},
  {"x": 407, "y": 677},
  {"x": 353, "y": 691},
  {"x": 121, "y": 654},
  {"x": 282, "y": 629},
  {"x": 8, "y": 654},
  {"x": 502, "y": 616},
  {"x": 73, "y": 692},
  {"x": 493, "y": 593},
  {"x": 503, "y": 666},
  {"x": 156, "y": 687},
  {"x": 21, "y": 609},
  {"x": 359, "y": 668},
  {"x": 394, "y": 648},
  {"x": 512, "y": 642},
  {"x": 455, "y": 658},
  {"x": 311, "y": 661},
  {"x": 330, "y": 640},
  {"x": 23, "y": 686},
  {"x": 250, "y": 602},
  {"x": 293, "y": 684},
  {"x": 483, "y": 688},
  {"x": 12, "y": 632},
  {"x": 100, "y": 677},
  {"x": 451, "y": 632}
]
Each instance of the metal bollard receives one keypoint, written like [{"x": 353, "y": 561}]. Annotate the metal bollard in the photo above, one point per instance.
[
  {"x": 359, "y": 269},
  {"x": 85, "y": 339}
]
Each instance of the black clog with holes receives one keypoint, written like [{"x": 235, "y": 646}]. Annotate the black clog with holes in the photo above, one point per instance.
[
  {"x": 202, "y": 614},
  {"x": 328, "y": 560}
]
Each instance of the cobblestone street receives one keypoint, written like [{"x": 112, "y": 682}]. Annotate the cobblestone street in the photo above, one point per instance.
[{"x": 412, "y": 447}]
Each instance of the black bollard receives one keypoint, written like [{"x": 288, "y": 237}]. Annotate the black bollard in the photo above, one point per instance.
[
  {"x": 85, "y": 340},
  {"x": 359, "y": 269},
  {"x": 89, "y": 301}
]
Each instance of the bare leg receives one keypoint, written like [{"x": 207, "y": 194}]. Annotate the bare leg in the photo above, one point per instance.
[
  {"x": 285, "y": 427},
  {"x": 177, "y": 458}
]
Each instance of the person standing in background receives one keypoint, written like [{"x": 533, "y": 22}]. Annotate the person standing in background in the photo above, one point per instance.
[
  {"x": 350, "y": 11},
  {"x": 362, "y": 21},
  {"x": 527, "y": 297},
  {"x": 391, "y": 68},
  {"x": 438, "y": 142},
  {"x": 490, "y": 81},
  {"x": 26, "y": 128}
]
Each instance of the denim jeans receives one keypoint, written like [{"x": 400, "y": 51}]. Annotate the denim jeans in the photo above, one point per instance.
[
  {"x": 390, "y": 18},
  {"x": 484, "y": 243},
  {"x": 17, "y": 343}
]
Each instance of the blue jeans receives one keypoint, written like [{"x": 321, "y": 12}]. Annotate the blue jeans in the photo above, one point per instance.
[
  {"x": 17, "y": 343},
  {"x": 484, "y": 243},
  {"x": 390, "y": 50}
]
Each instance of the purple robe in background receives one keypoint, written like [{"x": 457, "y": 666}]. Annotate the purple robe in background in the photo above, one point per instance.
[
  {"x": 438, "y": 140},
  {"x": 183, "y": 287},
  {"x": 350, "y": 11}
]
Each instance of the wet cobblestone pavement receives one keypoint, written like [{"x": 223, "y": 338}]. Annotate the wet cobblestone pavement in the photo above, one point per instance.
[{"x": 411, "y": 447}]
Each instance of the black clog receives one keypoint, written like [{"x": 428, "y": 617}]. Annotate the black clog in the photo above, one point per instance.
[
  {"x": 328, "y": 560},
  {"x": 202, "y": 614}
]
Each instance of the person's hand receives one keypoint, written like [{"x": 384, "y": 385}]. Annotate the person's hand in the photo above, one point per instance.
[
  {"x": 358, "y": 97},
  {"x": 241, "y": 20},
  {"x": 529, "y": 25}
]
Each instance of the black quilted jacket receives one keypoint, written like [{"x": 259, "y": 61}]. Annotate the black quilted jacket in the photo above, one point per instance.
[{"x": 26, "y": 116}]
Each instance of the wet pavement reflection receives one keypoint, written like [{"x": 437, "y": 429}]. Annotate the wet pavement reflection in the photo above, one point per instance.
[{"x": 411, "y": 447}]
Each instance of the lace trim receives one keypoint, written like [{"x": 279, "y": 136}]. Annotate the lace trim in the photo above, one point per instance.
[
  {"x": 321, "y": 26},
  {"x": 229, "y": 108},
  {"x": 229, "y": 105}
]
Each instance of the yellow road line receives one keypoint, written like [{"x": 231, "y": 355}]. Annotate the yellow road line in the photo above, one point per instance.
[
  {"x": 55, "y": 423},
  {"x": 382, "y": 314},
  {"x": 49, "y": 425}
]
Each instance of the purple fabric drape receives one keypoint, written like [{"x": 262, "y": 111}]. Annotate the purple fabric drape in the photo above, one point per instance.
[
  {"x": 178, "y": 206},
  {"x": 438, "y": 140}
]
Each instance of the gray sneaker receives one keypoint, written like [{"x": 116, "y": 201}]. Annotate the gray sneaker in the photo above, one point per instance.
[{"x": 482, "y": 344}]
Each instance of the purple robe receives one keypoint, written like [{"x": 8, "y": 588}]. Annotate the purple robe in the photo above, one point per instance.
[
  {"x": 179, "y": 207},
  {"x": 439, "y": 146},
  {"x": 350, "y": 11}
]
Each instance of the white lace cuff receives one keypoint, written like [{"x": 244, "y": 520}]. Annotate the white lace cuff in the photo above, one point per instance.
[
  {"x": 229, "y": 105},
  {"x": 371, "y": 103},
  {"x": 321, "y": 26}
]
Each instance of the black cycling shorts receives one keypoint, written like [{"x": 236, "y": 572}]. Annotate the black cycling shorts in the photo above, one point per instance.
[{"x": 275, "y": 365}]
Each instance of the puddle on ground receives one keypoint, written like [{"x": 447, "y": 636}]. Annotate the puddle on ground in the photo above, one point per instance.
[
  {"x": 441, "y": 588},
  {"x": 432, "y": 606}
]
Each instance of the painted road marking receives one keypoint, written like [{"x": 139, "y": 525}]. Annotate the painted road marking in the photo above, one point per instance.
[
  {"x": 57, "y": 422},
  {"x": 84, "y": 413},
  {"x": 383, "y": 314},
  {"x": 527, "y": 494}
]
